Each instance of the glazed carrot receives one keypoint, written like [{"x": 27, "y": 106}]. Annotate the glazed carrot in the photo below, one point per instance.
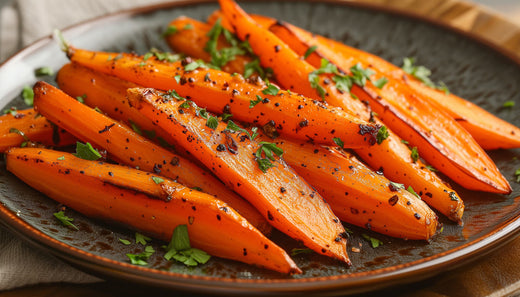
[
  {"x": 288, "y": 203},
  {"x": 488, "y": 130},
  {"x": 392, "y": 157},
  {"x": 198, "y": 32},
  {"x": 358, "y": 195},
  {"x": 122, "y": 194},
  {"x": 218, "y": 91},
  {"x": 28, "y": 127},
  {"x": 127, "y": 147},
  {"x": 440, "y": 139}
]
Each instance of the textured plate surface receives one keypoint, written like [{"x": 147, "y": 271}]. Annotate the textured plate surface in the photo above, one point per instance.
[{"x": 468, "y": 68}]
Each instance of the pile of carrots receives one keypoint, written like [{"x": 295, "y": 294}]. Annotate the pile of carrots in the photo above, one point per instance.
[{"x": 331, "y": 134}]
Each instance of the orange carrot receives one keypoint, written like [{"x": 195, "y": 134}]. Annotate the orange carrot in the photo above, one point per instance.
[
  {"x": 247, "y": 167},
  {"x": 390, "y": 155},
  {"x": 27, "y": 127},
  {"x": 358, "y": 195},
  {"x": 127, "y": 147},
  {"x": 440, "y": 139},
  {"x": 122, "y": 194},
  {"x": 218, "y": 91}
]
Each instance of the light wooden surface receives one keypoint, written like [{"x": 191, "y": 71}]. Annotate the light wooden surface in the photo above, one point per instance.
[{"x": 500, "y": 31}]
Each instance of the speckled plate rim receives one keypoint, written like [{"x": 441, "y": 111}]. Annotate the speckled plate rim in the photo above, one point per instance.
[{"x": 327, "y": 285}]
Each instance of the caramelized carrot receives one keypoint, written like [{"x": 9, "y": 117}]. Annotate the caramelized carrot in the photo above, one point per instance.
[
  {"x": 358, "y": 195},
  {"x": 440, "y": 139},
  {"x": 277, "y": 192},
  {"x": 391, "y": 156},
  {"x": 127, "y": 147},
  {"x": 488, "y": 130},
  {"x": 28, "y": 127},
  {"x": 122, "y": 194},
  {"x": 198, "y": 32},
  {"x": 218, "y": 91}
]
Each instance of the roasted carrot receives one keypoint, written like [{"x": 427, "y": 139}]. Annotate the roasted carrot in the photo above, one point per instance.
[
  {"x": 358, "y": 195},
  {"x": 148, "y": 203},
  {"x": 127, "y": 147},
  {"x": 440, "y": 139},
  {"x": 27, "y": 127},
  {"x": 392, "y": 157},
  {"x": 252, "y": 170},
  {"x": 180, "y": 42},
  {"x": 488, "y": 130},
  {"x": 218, "y": 91}
]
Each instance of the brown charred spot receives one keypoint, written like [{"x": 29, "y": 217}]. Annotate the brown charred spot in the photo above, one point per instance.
[
  {"x": 393, "y": 200},
  {"x": 174, "y": 161},
  {"x": 270, "y": 129},
  {"x": 371, "y": 131},
  {"x": 221, "y": 148},
  {"x": 231, "y": 144}
]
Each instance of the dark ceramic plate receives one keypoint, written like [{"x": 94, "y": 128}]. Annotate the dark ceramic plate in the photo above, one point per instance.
[{"x": 467, "y": 67}]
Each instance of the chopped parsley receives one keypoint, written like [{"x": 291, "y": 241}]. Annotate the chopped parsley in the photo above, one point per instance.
[
  {"x": 28, "y": 95},
  {"x": 309, "y": 51},
  {"x": 338, "y": 141},
  {"x": 414, "y": 154},
  {"x": 142, "y": 239},
  {"x": 422, "y": 73},
  {"x": 212, "y": 122},
  {"x": 380, "y": 83},
  {"x": 411, "y": 190},
  {"x": 252, "y": 103},
  {"x": 12, "y": 110},
  {"x": 140, "y": 259},
  {"x": 359, "y": 75},
  {"x": 270, "y": 90},
  {"x": 162, "y": 56},
  {"x": 396, "y": 186},
  {"x": 517, "y": 174},
  {"x": 86, "y": 151},
  {"x": 374, "y": 242},
  {"x": 81, "y": 99},
  {"x": 65, "y": 220},
  {"x": 44, "y": 71},
  {"x": 194, "y": 65},
  {"x": 124, "y": 241},
  {"x": 300, "y": 251},
  {"x": 169, "y": 31},
  {"x": 508, "y": 104},
  {"x": 231, "y": 126},
  {"x": 179, "y": 249},
  {"x": 382, "y": 134},
  {"x": 157, "y": 180},
  {"x": 267, "y": 149},
  {"x": 220, "y": 57}
]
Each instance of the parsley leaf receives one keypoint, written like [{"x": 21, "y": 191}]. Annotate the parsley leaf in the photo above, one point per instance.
[
  {"x": 231, "y": 126},
  {"x": 221, "y": 57},
  {"x": 169, "y": 31},
  {"x": 299, "y": 251},
  {"x": 43, "y": 71},
  {"x": 194, "y": 65},
  {"x": 422, "y": 73},
  {"x": 252, "y": 103},
  {"x": 374, "y": 242},
  {"x": 140, "y": 259},
  {"x": 517, "y": 174},
  {"x": 360, "y": 75},
  {"x": 28, "y": 95},
  {"x": 157, "y": 180},
  {"x": 65, "y": 220},
  {"x": 314, "y": 76},
  {"x": 270, "y": 90},
  {"x": 414, "y": 154},
  {"x": 411, "y": 190},
  {"x": 338, "y": 141},
  {"x": 508, "y": 104},
  {"x": 382, "y": 134},
  {"x": 380, "y": 83},
  {"x": 142, "y": 239},
  {"x": 212, "y": 122},
  {"x": 86, "y": 151},
  {"x": 124, "y": 241},
  {"x": 267, "y": 149},
  {"x": 309, "y": 51},
  {"x": 179, "y": 249}
]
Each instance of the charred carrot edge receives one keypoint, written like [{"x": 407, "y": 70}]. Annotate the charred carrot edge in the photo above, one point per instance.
[
  {"x": 117, "y": 193},
  {"x": 127, "y": 147},
  {"x": 387, "y": 156},
  {"x": 275, "y": 54},
  {"x": 26, "y": 126},
  {"x": 218, "y": 91},
  {"x": 440, "y": 139},
  {"x": 180, "y": 42},
  {"x": 358, "y": 195},
  {"x": 287, "y": 202},
  {"x": 488, "y": 130}
]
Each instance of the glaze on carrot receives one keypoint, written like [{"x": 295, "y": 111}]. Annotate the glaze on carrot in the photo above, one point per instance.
[
  {"x": 148, "y": 203},
  {"x": 27, "y": 127},
  {"x": 287, "y": 202},
  {"x": 125, "y": 146},
  {"x": 219, "y": 91}
]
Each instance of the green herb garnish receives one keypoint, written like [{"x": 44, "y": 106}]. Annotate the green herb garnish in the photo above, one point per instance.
[
  {"x": 28, "y": 95},
  {"x": 180, "y": 249},
  {"x": 86, "y": 151},
  {"x": 422, "y": 73},
  {"x": 309, "y": 51},
  {"x": 414, "y": 154},
  {"x": 267, "y": 149},
  {"x": 169, "y": 31},
  {"x": 382, "y": 134},
  {"x": 140, "y": 259},
  {"x": 252, "y": 103},
  {"x": 338, "y": 141},
  {"x": 157, "y": 180},
  {"x": 373, "y": 241},
  {"x": 270, "y": 90},
  {"x": 212, "y": 122},
  {"x": 142, "y": 239},
  {"x": 44, "y": 71},
  {"x": 65, "y": 220}
]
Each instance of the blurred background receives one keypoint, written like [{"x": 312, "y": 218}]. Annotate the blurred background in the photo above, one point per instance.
[{"x": 23, "y": 21}]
